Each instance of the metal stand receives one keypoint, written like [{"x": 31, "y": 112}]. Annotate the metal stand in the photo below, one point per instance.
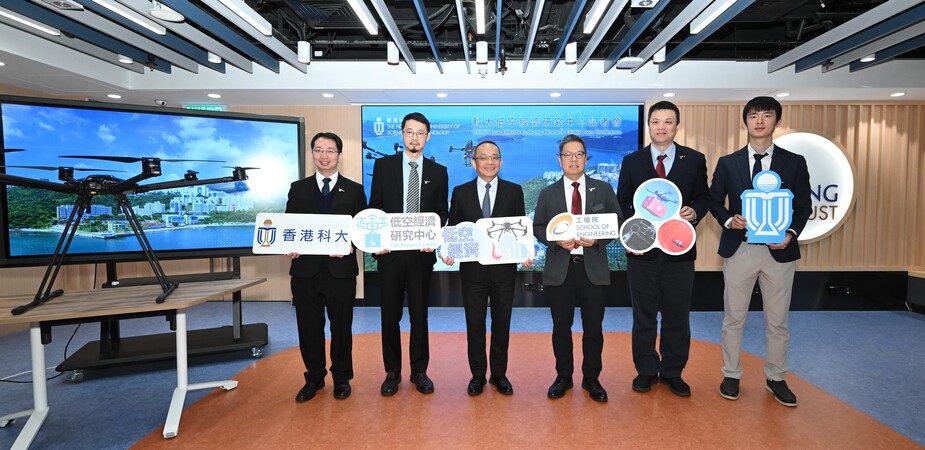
[{"x": 39, "y": 410}]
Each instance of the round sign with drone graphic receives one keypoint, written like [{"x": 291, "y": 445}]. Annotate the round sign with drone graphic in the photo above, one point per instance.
[{"x": 657, "y": 222}]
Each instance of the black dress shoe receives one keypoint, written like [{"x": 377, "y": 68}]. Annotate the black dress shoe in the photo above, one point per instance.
[
  {"x": 341, "y": 390},
  {"x": 594, "y": 388},
  {"x": 643, "y": 383},
  {"x": 782, "y": 393},
  {"x": 476, "y": 385},
  {"x": 308, "y": 391},
  {"x": 729, "y": 388},
  {"x": 390, "y": 385},
  {"x": 502, "y": 384},
  {"x": 422, "y": 383},
  {"x": 558, "y": 388},
  {"x": 678, "y": 386}
]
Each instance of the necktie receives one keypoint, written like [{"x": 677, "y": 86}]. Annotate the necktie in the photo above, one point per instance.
[
  {"x": 757, "y": 167},
  {"x": 576, "y": 198},
  {"x": 660, "y": 167},
  {"x": 414, "y": 189},
  {"x": 486, "y": 202},
  {"x": 326, "y": 189}
]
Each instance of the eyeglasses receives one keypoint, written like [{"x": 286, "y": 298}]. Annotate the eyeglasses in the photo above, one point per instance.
[
  {"x": 570, "y": 155},
  {"x": 417, "y": 134},
  {"x": 323, "y": 151},
  {"x": 485, "y": 158}
]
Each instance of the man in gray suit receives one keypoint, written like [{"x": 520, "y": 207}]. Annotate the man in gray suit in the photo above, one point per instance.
[{"x": 576, "y": 270}]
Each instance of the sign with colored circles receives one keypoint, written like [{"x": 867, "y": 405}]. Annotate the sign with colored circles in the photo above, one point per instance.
[{"x": 657, "y": 222}]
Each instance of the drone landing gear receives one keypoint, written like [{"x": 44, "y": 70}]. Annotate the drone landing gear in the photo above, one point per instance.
[{"x": 81, "y": 205}]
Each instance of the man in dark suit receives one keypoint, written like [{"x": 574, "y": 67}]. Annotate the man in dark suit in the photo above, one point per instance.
[
  {"x": 658, "y": 282},
  {"x": 325, "y": 281},
  {"x": 408, "y": 183},
  {"x": 576, "y": 270},
  {"x": 487, "y": 196},
  {"x": 773, "y": 265}
]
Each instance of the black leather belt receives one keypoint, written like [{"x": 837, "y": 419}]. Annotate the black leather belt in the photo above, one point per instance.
[{"x": 577, "y": 259}]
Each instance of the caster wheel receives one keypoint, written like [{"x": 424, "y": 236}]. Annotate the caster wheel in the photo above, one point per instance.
[
  {"x": 257, "y": 352},
  {"x": 6, "y": 423},
  {"x": 77, "y": 376}
]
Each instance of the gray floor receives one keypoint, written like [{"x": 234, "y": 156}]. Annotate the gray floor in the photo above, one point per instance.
[{"x": 871, "y": 360}]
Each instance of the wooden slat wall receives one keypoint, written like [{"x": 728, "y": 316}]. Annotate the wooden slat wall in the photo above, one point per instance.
[{"x": 884, "y": 143}]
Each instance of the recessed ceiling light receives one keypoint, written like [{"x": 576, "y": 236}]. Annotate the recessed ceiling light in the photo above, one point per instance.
[
  {"x": 897, "y": 94},
  {"x": 159, "y": 11},
  {"x": 215, "y": 96},
  {"x": 783, "y": 94},
  {"x": 125, "y": 59},
  {"x": 555, "y": 94},
  {"x": 869, "y": 58},
  {"x": 327, "y": 95},
  {"x": 2, "y": 63},
  {"x": 441, "y": 94},
  {"x": 114, "y": 96},
  {"x": 668, "y": 94}
]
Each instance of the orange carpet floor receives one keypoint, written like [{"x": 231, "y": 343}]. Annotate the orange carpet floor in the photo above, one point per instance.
[{"x": 262, "y": 413}]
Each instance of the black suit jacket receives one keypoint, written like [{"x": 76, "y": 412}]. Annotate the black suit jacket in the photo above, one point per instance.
[
  {"x": 349, "y": 199},
  {"x": 688, "y": 172},
  {"x": 466, "y": 206},
  {"x": 733, "y": 176},
  {"x": 388, "y": 190}
]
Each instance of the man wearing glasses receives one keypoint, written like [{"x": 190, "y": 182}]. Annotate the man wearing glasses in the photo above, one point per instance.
[
  {"x": 407, "y": 183},
  {"x": 319, "y": 281},
  {"x": 576, "y": 270},
  {"x": 487, "y": 196}
]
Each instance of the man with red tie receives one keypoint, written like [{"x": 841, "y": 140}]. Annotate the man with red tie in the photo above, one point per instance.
[
  {"x": 660, "y": 283},
  {"x": 576, "y": 270}
]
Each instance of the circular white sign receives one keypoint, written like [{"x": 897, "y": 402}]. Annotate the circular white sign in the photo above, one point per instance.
[{"x": 831, "y": 180}]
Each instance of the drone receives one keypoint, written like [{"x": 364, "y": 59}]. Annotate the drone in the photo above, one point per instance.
[
  {"x": 376, "y": 154},
  {"x": 99, "y": 184},
  {"x": 468, "y": 152},
  {"x": 663, "y": 196},
  {"x": 506, "y": 227}
]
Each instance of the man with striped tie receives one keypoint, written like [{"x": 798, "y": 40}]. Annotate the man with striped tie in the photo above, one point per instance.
[{"x": 408, "y": 183}]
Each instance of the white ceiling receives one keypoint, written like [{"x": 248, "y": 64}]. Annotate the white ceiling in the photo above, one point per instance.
[{"x": 36, "y": 64}]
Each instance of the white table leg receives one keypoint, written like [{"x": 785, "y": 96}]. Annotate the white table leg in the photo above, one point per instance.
[
  {"x": 183, "y": 386},
  {"x": 39, "y": 410}
]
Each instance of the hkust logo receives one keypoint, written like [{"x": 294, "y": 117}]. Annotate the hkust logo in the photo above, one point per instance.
[
  {"x": 379, "y": 126},
  {"x": 767, "y": 209},
  {"x": 266, "y": 235}
]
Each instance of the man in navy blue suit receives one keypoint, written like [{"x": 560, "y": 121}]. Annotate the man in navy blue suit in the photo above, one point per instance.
[
  {"x": 658, "y": 282},
  {"x": 772, "y": 265}
]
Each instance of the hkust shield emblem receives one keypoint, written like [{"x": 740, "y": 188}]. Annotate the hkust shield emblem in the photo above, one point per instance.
[
  {"x": 768, "y": 209},
  {"x": 266, "y": 235}
]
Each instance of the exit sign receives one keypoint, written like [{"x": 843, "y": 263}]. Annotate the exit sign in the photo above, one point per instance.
[{"x": 206, "y": 107}]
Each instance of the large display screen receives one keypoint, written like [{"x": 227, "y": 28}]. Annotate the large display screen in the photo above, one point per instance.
[
  {"x": 182, "y": 222},
  {"x": 528, "y": 136}
]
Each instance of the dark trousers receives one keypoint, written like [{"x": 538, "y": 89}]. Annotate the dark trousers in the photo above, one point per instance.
[
  {"x": 577, "y": 290},
  {"x": 310, "y": 297},
  {"x": 661, "y": 285},
  {"x": 405, "y": 272},
  {"x": 475, "y": 301}
]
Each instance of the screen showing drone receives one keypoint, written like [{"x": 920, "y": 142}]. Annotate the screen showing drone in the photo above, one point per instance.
[
  {"x": 185, "y": 221},
  {"x": 528, "y": 136}
]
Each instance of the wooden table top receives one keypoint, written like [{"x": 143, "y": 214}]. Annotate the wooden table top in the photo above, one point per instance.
[{"x": 125, "y": 300}]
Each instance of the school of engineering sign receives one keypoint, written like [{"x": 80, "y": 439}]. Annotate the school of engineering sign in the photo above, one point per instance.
[{"x": 831, "y": 180}]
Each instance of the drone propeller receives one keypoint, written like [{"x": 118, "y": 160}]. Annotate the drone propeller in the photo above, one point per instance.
[
  {"x": 239, "y": 167},
  {"x": 50, "y": 168},
  {"x": 11, "y": 150},
  {"x": 131, "y": 159}
]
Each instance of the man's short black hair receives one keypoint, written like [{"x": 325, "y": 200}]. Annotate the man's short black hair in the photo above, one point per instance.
[
  {"x": 759, "y": 104},
  {"x": 418, "y": 117},
  {"x": 572, "y": 138},
  {"x": 331, "y": 136},
  {"x": 665, "y": 104}
]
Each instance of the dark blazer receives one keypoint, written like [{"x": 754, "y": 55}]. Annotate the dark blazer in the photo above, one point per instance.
[
  {"x": 349, "y": 199},
  {"x": 733, "y": 176},
  {"x": 387, "y": 192},
  {"x": 688, "y": 172},
  {"x": 599, "y": 199},
  {"x": 466, "y": 206}
]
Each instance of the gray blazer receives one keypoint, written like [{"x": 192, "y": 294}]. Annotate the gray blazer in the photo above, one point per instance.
[{"x": 599, "y": 199}]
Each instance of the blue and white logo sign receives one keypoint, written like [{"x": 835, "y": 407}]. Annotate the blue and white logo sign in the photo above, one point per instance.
[{"x": 768, "y": 209}]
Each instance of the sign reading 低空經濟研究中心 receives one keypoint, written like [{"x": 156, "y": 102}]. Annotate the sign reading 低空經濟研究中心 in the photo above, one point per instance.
[{"x": 831, "y": 179}]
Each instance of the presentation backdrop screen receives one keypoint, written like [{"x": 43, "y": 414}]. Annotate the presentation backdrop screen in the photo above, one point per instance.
[
  {"x": 185, "y": 222},
  {"x": 528, "y": 136}
]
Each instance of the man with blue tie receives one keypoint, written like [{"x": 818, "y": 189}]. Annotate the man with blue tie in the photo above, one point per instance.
[
  {"x": 319, "y": 281},
  {"x": 408, "y": 183},
  {"x": 487, "y": 196},
  {"x": 660, "y": 283},
  {"x": 772, "y": 265},
  {"x": 576, "y": 271}
]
